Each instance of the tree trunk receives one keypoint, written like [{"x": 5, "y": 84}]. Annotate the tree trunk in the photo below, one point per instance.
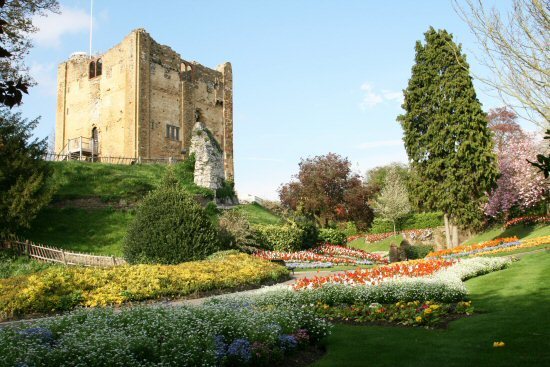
[
  {"x": 394, "y": 232},
  {"x": 455, "y": 235},
  {"x": 447, "y": 231}
]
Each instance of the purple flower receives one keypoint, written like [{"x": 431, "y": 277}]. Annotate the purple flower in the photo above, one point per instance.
[
  {"x": 43, "y": 335},
  {"x": 240, "y": 349},
  {"x": 287, "y": 342},
  {"x": 221, "y": 347}
]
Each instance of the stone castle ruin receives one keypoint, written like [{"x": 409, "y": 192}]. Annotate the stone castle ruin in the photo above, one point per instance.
[{"x": 141, "y": 101}]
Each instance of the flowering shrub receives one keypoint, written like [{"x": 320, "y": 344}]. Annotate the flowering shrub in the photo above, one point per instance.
[
  {"x": 467, "y": 249},
  {"x": 57, "y": 289},
  {"x": 413, "y": 268},
  {"x": 528, "y": 220},
  {"x": 413, "y": 313},
  {"x": 219, "y": 333},
  {"x": 421, "y": 234},
  {"x": 328, "y": 249}
]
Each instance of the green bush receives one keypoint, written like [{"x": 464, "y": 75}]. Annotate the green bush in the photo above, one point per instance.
[
  {"x": 310, "y": 235},
  {"x": 332, "y": 236},
  {"x": 235, "y": 230},
  {"x": 418, "y": 251},
  {"x": 412, "y": 221},
  {"x": 349, "y": 228},
  {"x": 280, "y": 238},
  {"x": 170, "y": 228},
  {"x": 421, "y": 221},
  {"x": 227, "y": 191}
]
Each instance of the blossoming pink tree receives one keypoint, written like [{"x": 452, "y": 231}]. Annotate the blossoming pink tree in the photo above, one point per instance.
[{"x": 520, "y": 183}]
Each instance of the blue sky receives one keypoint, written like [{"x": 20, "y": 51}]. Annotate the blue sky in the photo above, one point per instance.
[{"x": 310, "y": 76}]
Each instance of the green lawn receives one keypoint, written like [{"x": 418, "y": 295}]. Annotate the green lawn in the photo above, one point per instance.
[
  {"x": 383, "y": 245},
  {"x": 521, "y": 231},
  {"x": 257, "y": 214},
  {"x": 511, "y": 305},
  {"x": 115, "y": 181},
  {"x": 95, "y": 231}
]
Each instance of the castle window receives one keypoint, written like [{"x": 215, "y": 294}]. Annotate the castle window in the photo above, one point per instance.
[
  {"x": 95, "y": 68},
  {"x": 173, "y": 132}
]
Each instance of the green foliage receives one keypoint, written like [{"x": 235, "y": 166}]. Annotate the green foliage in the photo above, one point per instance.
[
  {"x": 235, "y": 230},
  {"x": 421, "y": 221},
  {"x": 310, "y": 231},
  {"x": 170, "y": 227},
  {"x": 227, "y": 191},
  {"x": 332, "y": 236},
  {"x": 12, "y": 265},
  {"x": 222, "y": 254},
  {"x": 376, "y": 177},
  {"x": 445, "y": 133},
  {"x": 24, "y": 188},
  {"x": 418, "y": 251},
  {"x": 380, "y": 225},
  {"x": 280, "y": 238}
]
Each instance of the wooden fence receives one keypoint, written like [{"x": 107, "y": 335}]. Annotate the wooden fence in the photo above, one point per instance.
[{"x": 56, "y": 255}]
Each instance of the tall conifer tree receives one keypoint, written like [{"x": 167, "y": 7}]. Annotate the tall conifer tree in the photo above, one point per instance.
[{"x": 446, "y": 135}]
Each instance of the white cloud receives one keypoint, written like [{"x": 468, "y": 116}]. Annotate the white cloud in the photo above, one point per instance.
[
  {"x": 371, "y": 98},
  {"x": 380, "y": 144},
  {"x": 53, "y": 27},
  {"x": 45, "y": 76}
]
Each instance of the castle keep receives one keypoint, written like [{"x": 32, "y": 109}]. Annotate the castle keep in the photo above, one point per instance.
[{"x": 141, "y": 100}]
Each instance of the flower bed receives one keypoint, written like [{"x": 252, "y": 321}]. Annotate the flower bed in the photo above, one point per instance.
[
  {"x": 57, "y": 289},
  {"x": 216, "y": 334},
  {"x": 412, "y": 233},
  {"x": 414, "y": 313},
  {"x": 413, "y": 268},
  {"x": 521, "y": 245},
  {"x": 445, "y": 285},
  {"x": 528, "y": 220},
  {"x": 465, "y": 250},
  {"x": 325, "y": 254}
]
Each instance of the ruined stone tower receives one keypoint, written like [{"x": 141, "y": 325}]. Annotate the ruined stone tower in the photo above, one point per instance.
[{"x": 141, "y": 100}]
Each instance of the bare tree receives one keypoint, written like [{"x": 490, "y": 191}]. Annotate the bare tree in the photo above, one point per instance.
[{"x": 517, "y": 51}]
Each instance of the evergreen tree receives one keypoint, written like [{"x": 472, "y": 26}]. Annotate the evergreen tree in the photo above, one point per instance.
[
  {"x": 446, "y": 135},
  {"x": 24, "y": 189}
]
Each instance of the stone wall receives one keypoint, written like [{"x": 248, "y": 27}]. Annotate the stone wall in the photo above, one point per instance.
[{"x": 209, "y": 167}]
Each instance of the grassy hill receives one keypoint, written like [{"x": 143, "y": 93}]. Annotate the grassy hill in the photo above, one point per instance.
[{"x": 95, "y": 203}]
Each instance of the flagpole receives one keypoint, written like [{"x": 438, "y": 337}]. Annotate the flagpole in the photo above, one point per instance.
[{"x": 91, "y": 24}]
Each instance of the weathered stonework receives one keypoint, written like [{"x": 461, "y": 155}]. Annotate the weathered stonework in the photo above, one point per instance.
[
  {"x": 209, "y": 162},
  {"x": 143, "y": 90}
]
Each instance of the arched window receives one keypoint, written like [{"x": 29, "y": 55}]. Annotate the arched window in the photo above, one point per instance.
[
  {"x": 91, "y": 71},
  {"x": 95, "y": 69}
]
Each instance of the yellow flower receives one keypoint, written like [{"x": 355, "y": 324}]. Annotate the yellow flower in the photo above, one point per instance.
[
  {"x": 428, "y": 311},
  {"x": 418, "y": 319},
  {"x": 498, "y": 344},
  {"x": 434, "y": 307}
]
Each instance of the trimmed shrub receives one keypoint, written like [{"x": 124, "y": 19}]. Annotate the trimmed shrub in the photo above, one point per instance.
[
  {"x": 418, "y": 251},
  {"x": 332, "y": 236},
  {"x": 170, "y": 228},
  {"x": 285, "y": 238}
]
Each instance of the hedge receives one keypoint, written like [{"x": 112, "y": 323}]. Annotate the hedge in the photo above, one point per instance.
[
  {"x": 286, "y": 238},
  {"x": 412, "y": 221}
]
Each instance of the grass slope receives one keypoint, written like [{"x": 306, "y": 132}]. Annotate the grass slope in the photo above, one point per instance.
[
  {"x": 109, "y": 182},
  {"x": 98, "y": 231},
  {"x": 511, "y": 306},
  {"x": 521, "y": 231},
  {"x": 257, "y": 214}
]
